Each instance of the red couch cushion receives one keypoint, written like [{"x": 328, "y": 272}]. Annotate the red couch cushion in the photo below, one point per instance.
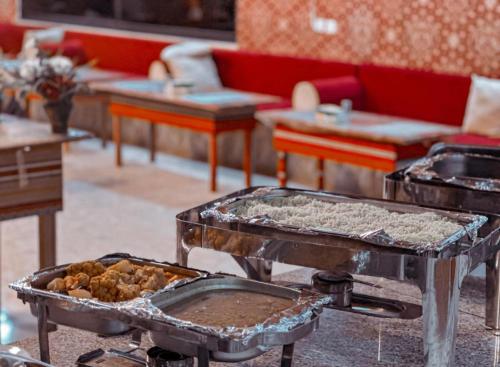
[
  {"x": 414, "y": 94},
  {"x": 130, "y": 55},
  {"x": 334, "y": 90},
  {"x": 276, "y": 75},
  {"x": 11, "y": 38},
  {"x": 285, "y": 103},
  {"x": 72, "y": 48},
  {"x": 473, "y": 139}
]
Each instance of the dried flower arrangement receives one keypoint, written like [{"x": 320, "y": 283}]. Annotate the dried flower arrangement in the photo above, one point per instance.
[{"x": 52, "y": 78}]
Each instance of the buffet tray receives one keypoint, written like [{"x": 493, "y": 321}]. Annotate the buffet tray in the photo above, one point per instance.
[
  {"x": 89, "y": 314},
  {"x": 236, "y": 343},
  {"x": 467, "y": 185},
  {"x": 471, "y": 167},
  {"x": 229, "y": 343},
  {"x": 217, "y": 217}
]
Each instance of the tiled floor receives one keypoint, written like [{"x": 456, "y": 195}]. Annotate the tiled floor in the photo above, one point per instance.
[{"x": 107, "y": 210}]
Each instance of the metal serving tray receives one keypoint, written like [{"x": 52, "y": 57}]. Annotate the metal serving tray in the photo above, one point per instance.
[
  {"x": 216, "y": 227},
  {"x": 236, "y": 343},
  {"x": 454, "y": 177},
  {"x": 87, "y": 314}
]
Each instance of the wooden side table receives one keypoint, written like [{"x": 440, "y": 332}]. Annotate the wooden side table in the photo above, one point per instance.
[
  {"x": 210, "y": 112},
  {"x": 373, "y": 141},
  {"x": 31, "y": 177}
]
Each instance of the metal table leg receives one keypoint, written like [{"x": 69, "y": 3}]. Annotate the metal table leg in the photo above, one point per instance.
[
  {"x": 256, "y": 269},
  {"x": 287, "y": 355},
  {"x": 47, "y": 239},
  {"x": 493, "y": 292},
  {"x": 43, "y": 332},
  {"x": 440, "y": 297},
  {"x": 203, "y": 357}
]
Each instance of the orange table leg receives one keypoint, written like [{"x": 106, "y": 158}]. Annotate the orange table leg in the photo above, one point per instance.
[
  {"x": 321, "y": 173},
  {"x": 152, "y": 141},
  {"x": 212, "y": 156},
  {"x": 117, "y": 139},
  {"x": 247, "y": 157},
  {"x": 281, "y": 169}
]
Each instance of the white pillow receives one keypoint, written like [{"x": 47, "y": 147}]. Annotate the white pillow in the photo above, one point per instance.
[
  {"x": 35, "y": 37},
  {"x": 482, "y": 115},
  {"x": 193, "y": 62}
]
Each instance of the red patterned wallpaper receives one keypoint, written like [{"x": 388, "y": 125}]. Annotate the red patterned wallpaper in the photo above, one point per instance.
[
  {"x": 456, "y": 36},
  {"x": 7, "y": 10}
]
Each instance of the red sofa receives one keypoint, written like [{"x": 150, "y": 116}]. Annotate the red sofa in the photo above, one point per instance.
[{"x": 396, "y": 91}]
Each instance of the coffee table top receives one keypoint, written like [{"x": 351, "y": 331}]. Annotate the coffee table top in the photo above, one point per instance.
[
  {"x": 210, "y": 100},
  {"x": 16, "y": 132},
  {"x": 362, "y": 125}
]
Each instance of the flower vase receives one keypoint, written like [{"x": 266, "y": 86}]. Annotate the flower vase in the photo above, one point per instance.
[{"x": 58, "y": 113}]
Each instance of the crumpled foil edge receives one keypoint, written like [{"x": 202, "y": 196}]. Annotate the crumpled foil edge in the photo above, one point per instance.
[
  {"x": 423, "y": 170},
  {"x": 219, "y": 212}
]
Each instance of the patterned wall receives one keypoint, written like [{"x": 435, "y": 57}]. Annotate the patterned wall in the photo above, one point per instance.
[
  {"x": 456, "y": 36},
  {"x": 7, "y": 10}
]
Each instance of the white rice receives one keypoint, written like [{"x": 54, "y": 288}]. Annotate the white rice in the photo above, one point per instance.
[{"x": 351, "y": 218}]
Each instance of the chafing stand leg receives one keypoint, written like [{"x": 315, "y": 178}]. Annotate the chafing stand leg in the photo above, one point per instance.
[
  {"x": 440, "y": 296},
  {"x": 182, "y": 252},
  {"x": 493, "y": 292},
  {"x": 287, "y": 355},
  {"x": 43, "y": 332},
  {"x": 256, "y": 269},
  {"x": 203, "y": 357}
]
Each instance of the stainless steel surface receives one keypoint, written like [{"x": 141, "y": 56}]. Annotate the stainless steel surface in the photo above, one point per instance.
[
  {"x": 337, "y": 284},
  {"x": 437, "y": 273}
]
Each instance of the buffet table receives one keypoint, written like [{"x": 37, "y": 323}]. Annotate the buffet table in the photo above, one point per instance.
[
  {"x": 342, "y": 340},
  {"x": 31, "y": 177}
]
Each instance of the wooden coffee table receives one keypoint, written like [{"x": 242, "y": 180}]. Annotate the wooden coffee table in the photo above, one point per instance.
[
  {"x": 369, "y": 140},
  {"x": 31, "y": 177},
  {"x": 210, "y": 112}
]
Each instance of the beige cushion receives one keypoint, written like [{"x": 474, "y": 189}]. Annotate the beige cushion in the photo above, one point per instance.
[
  {"x": 158, "y": 71},
  {"x": 482, "y": 115},
  {"x": 305, "y": 97},
  {"x": 193, "y": 62}
]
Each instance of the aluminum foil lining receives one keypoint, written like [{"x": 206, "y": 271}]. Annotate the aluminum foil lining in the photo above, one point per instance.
[
  {"x": 221, "y": 211},
  {"x": 144, "y": 310},
  {"x": 306, "y": 307},
  {"x": 25, "y": 286},
  {"x": 424, "y": 169}
]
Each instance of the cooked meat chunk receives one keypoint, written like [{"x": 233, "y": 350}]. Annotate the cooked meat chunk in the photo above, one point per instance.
[
  {"x": 91, "y": 268},
  {"x": 57, "y": 285}
]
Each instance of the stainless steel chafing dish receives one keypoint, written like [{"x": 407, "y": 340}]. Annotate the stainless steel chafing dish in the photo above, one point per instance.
[
  {"x": 147, "y": 314},
  {"x": 438, "y": 271},
  {"x": 466, "y": 178}
]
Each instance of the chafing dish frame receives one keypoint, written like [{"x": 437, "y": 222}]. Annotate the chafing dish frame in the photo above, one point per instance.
[{"x": 437, "y": 274}]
